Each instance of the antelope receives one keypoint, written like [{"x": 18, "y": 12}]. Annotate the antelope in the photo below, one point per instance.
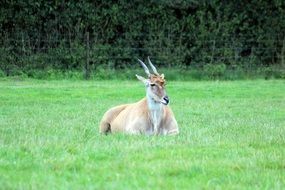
[{"x": 150, "y": 116}]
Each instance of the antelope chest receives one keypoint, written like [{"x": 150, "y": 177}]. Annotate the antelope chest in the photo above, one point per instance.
[{"x": 155, "y": 116}]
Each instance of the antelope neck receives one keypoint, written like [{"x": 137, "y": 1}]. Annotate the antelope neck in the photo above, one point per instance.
[
  {"x": 152, "y": 104},
  {"x": 155, "y": 113}
]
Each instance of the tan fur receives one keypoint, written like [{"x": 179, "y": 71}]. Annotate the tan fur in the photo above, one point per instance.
[{"x": 135, "y": 119}]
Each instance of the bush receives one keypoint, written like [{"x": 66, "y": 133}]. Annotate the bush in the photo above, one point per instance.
[
  {"x": 272, "y": 72},
  {"x": 215, "y": 71},
  {"x": 174, "y": 33},
  {"x": 2, "y": 74}
]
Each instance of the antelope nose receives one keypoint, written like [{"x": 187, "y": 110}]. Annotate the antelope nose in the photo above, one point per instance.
[{"x": 166, "y": 99}]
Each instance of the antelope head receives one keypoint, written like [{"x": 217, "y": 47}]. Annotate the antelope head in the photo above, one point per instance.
[{"x": 155, "y": 84}]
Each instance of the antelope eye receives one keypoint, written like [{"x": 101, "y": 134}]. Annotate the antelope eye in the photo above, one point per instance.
[{"x": 152, "y": 84}]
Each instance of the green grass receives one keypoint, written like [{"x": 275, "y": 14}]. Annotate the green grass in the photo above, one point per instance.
[{"x": 232, "y": 136}]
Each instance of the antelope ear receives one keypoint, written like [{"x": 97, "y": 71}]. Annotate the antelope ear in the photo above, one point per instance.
[
  {"x": 162, "y": 76},
  {"x": 145, "y": 81}
]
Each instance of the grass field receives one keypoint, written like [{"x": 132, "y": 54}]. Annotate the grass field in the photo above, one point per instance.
[{"x": 232, "y": 136}]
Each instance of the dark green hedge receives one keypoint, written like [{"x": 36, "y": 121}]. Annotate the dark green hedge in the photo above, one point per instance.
[{"x": 39, "y": 34}]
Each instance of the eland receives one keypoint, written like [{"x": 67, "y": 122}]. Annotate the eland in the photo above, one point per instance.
[{"x": 151, "y": 115}]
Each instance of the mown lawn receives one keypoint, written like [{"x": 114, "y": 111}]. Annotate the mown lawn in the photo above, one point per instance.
[{"x": 232, "y": 136}]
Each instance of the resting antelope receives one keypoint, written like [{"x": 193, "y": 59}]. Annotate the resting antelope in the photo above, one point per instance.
[{"x": 151, "y": 115}]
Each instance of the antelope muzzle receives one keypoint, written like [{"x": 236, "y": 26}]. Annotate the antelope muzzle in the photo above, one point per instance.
[{"x": 165, "y": 100}]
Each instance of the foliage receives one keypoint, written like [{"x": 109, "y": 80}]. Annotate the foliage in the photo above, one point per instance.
[
  {"x": 209, "y": 72},
  {"x": 38, "y": 34},
  {"x": 231, "y": 137},
  {"x": 215, "y": 71}
]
